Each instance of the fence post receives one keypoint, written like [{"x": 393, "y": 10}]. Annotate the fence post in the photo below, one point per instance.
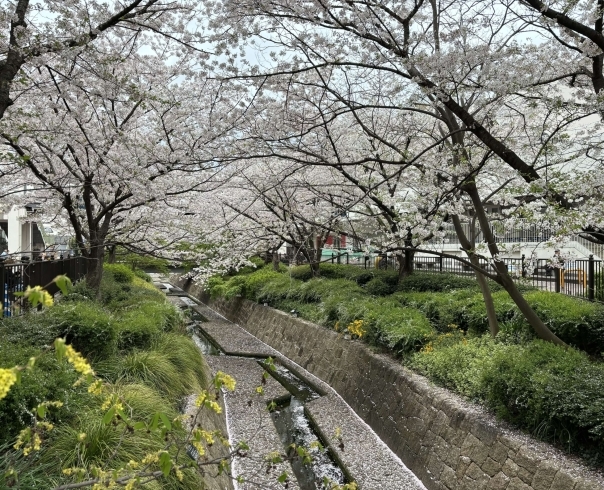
[
  {"x": 440, "y": 263},
  {"x": 523, "y": 267},
  {"x": 332, "y": 257},
  {"x": 557, "y": 279},
  {"x": 347, "y": 258},
  {"x": 591, "y": 279}
]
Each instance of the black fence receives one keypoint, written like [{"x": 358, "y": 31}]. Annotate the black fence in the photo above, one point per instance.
[
  {"x": 581, "y": 277},
  {"x": 17, "y": 276}
]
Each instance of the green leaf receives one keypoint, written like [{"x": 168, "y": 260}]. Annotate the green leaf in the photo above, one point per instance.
[
  {"x": 60, "y": 348},
  {"x": 165, "y": 463},
  {"x": 282, "y": 477},
  {"x": 243, "y": 446},
  {"x": 165, "y": 420},
  {"x": 41, "y": 410},
  {"x": 139, "y": 426},
  {"x": 108, "y": 417},
  {"x": 154, "y": 422},
  {"x": 63, "y": 283}
]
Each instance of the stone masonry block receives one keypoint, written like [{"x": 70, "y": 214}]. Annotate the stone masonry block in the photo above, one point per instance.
[
  {"x": 435, "y": 466},
  {"x": 510, "y": 441},
  {"x": 510, "y": 468},
  {"x": 486, "y": 433},
  {"x": 517, "y": 484},
  {"x": 462, "y": 466},
  {"x": 499, "y": 452},
  {"x": 544, "y": 476},
  {"x": 475, "y": 449},
  {"x": 587, "y": 485},
  {"x": 491, "y": 467},
  {"x": 499, "y": 482},
  {"x": 448, "y": 478},
  {"x": 563, "y": 481},
  {"x": 525, "y": 475},
  {"x": 527, "y": 459}
]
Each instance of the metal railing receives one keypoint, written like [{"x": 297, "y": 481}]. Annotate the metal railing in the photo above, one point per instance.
[
  {"x": 17, "y": 276},
  {"x": 581, "y": 278}
]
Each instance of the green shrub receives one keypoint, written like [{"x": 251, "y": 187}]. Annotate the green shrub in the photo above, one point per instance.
[
  {"x": 319, "y": 289},
  {"x": 301, "y": 272},
  {"x": 577, "y": 322},
  {"x": 403, "y": 330},
  {"x": 142, "y": 275},
  {"x": 258, "y": 279},
  {"x": 378, "y": 287},
  {"x": 441, "y": 309},
  {"x": 457, "y": 365},
  {"x": 438, "y": 282},
  {"x": 216, "y": 286},
  {"x": 87, "y": 326},
  {"x": 120, "y": 272},
  {"x": 50, "y": 380},
  {"x": 554, "y": 392},
  {"x": 31, "y": 329},
  {"x": 278, "y": 287}
]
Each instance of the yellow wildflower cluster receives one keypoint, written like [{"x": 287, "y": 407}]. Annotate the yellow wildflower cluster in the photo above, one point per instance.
[
  {"x": 96, "y": 388},
  {"x": 203, "y": 399},
  {"x": 77, "y": 361},
  {"x": 75, "y": 471},
  {"x": 356, "y": 328},
  {"x": 199, "y": 447},
  {"x": 8, "y": 377},
  {"x": 224, "y": 380},
  {"x": 38, "y": 294},
  {"x": 28, "y": 441}
]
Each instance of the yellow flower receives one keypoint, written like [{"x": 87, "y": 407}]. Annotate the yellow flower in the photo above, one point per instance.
[
  {"x": 222, "y": 379},
  {"x": 81, "y": 436},
  {"x": 8, "y": 377},
  {"x": 96, "y": 388},
  {"x": 77, "y": 361}
]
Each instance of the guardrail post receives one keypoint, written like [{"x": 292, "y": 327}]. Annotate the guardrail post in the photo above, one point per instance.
[
  {"x": 591, "y": 279},
  {"x": 523, "y": 267},
  {"x": 557, "y": 279}
]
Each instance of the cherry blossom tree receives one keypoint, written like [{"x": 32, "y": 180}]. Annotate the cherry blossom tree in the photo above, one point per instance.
[
  {"x": 120, "y": 149},
  {"x": 463, "y": 66},
  {"x": 46, "y": 29}
]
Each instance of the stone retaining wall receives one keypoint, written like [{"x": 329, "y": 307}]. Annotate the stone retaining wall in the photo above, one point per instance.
[{"x": 447, "y": 442}]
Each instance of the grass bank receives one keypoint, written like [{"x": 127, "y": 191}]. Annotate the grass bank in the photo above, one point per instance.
[{"x": 136, "y": 342}]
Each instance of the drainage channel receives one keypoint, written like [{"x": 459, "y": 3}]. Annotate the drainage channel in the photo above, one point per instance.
[
  {"x": 294, "y": 427},
  {"x": 290, "y": 419}
]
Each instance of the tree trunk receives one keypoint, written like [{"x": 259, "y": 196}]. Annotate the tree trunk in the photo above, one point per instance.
[
  {"x": 315, "y": 262},
  {"x": 405, "y": 264},
  {"x": 276, "y": 261},
  {"x": 111, "y": 258},
  {"x": 469, "y": 245},
  {"x": 504, "y": 278},
  {"x": 95, "y": 267}
]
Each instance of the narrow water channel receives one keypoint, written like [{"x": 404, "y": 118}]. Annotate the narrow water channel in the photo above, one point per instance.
[
  {"x": 294, "y": 427},
  {"x": 291, "y": 422}
]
